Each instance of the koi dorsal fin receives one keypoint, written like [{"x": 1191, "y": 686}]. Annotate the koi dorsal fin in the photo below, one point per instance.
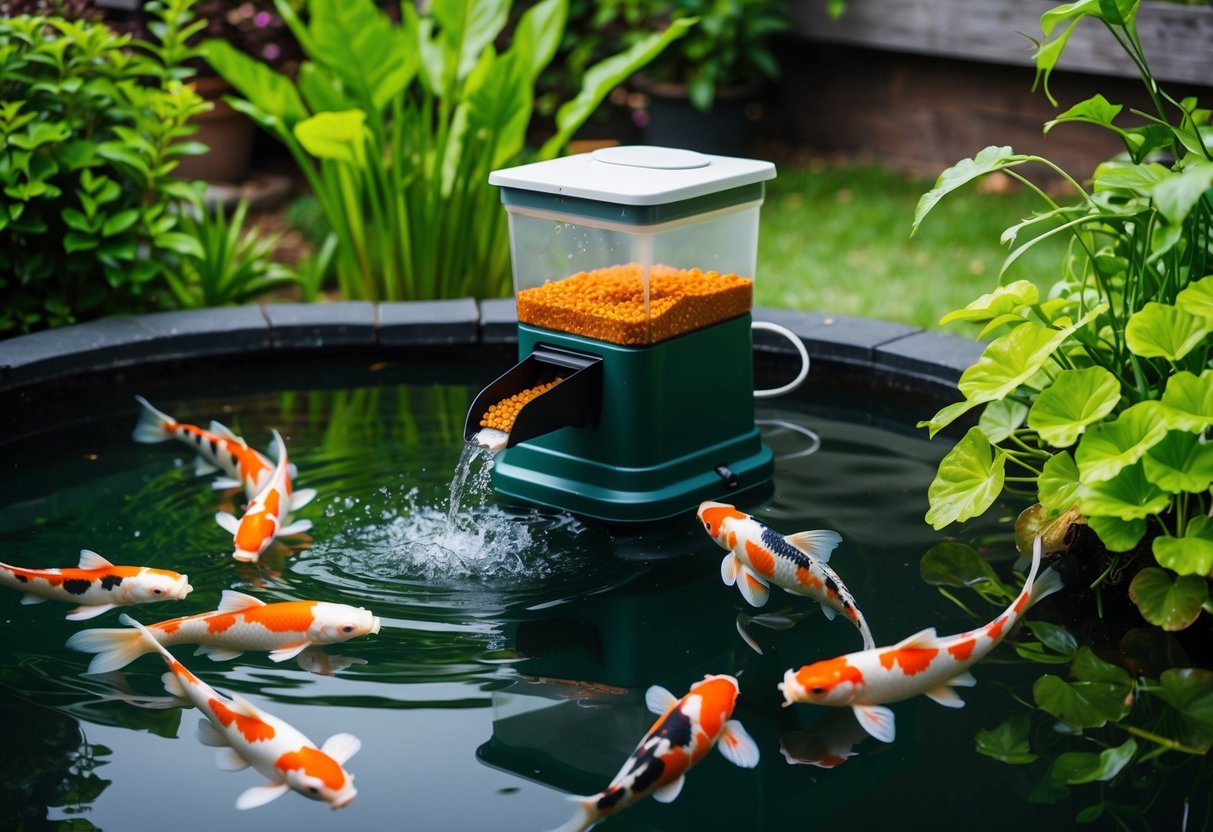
[
  {"x": 92, "y": 560},
  {"x": 921, "y": 640},
  {"x": 659, "y": 700},
  {"x": 220, "y": 429},
  {"x": 341, "y": 747},
  {"x": 233, "y": 601},
  {"x": 246, "y": 708},
  {"x": 819, "y": 543}
]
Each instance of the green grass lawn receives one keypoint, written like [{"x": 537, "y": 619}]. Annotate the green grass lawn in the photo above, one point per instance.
[{"x": 837, "y": 239}]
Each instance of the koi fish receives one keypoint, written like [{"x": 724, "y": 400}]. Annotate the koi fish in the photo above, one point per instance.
[
  {"x": 685, "y": 732},
  {"x": 241, "y": 623},
  {"x": 218, "y": 449},
  {"x": 759, "y": 556},
  {"x": 268, "y": 514},
  {"x": 96, "y": 585},
  {"x": 923, "y": 663},
  {"x": 247, "y": 736}
]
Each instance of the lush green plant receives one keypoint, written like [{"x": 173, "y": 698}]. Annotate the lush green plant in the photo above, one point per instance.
[
  {"x": 90, "y": 131},
  {"x": 397, "y": 128},
  {"x": 234, "y": 266}
]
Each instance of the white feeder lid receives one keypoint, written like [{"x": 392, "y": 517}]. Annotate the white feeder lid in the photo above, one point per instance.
[{"x": 635, "y": 175}]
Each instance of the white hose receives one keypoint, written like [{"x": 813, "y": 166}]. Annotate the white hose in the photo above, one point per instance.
[{"x": 804, "y": 360}]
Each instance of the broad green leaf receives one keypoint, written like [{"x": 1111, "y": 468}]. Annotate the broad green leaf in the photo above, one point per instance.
[
  {"x": 1180, "y": 463},
  {"x": 1189, "y": 691},
  {"x": 988, "y": 160},
  {"x": 1003, "y": 300},
  {"x": 76, "y": 219},
  {"x": 537, "y": 35},
  {"x": 1076, "y": 399},
  {"x": 946, "y": 416},
  {"x": 994, "y": 324},
  {"x": 1008, "y": 742},
  {"x": 1095, "y": 110},
  {"x": 184, "y": 244},
  {"x": 969, "y": 479},
  {"x": 502, "y": 107},
  {"x": 74, "y": 241},
  {"x": 340, "y": 136},
  {"x": 1135, "y": 179},
  {"x": 1096, "y": 696},
  {"x": 1054, "y": 636},
  {"x": 1002, "y": 418},
  {"x": 467, "y": 28},
  {"x": 361, "y": 45},
  {"x": 1170, "y": 604},
  {"x": 1197, "y": 298},
  {"x": 1116, "y": 534},
  {"x": 1191, "y": 554},
  {"x": 1057, "y": 486},
  {"x": 120, "y": 222},
  {"x": 1129, "y": 496},
  {"x": 1108, "y": 447},
  {"x": 1076, "y": 767},
  {"x": 959, "y": 565},
  {"x": 1188, "y": 401},
  {"x": 267, "y": 90},
  {"x": 1176, "y": 195},
  {"x": 1161, "y": 331}
]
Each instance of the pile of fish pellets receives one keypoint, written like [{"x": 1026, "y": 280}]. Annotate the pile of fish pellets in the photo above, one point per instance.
[
  {"x": 609, "y": 303},
  {"x": 502, "y": 415}
]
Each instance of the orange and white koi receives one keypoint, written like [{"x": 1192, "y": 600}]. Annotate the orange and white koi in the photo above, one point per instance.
[
  {"x": 759, "y": 556},
  {"x": 685, "y": 732},
  {"x": 241, "y": 623},
  {"x": 247, "y": 736},
  {"x": 923, "y": 663},
  {"x": 96, "y": 585},
  {"x": 268, "y": 515},
  {"x": 218, "y": 449}
]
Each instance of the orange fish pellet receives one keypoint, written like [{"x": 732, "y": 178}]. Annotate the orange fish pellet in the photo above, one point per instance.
[
  {"x": 502, "y": 415},
  {"x": 609, "y": 303}
]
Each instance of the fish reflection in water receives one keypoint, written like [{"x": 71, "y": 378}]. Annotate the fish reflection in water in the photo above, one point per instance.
[
  {"x": 585, "y": 694},
  {"x": 829, "y": 743}
]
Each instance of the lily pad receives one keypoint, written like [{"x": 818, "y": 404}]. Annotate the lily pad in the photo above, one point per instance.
[
  {"x": 1130, "y": 496},
  {"x": 1002, "y": 418},
  {"x": 1189, "y": 401},
  {"x": 1172, "y": 605},
  {"x": 1191, "y": 554},
  {"x": 1189, "y": 690},
  {"x": 1107, "y": 448},
  {"x": 1161, "y": 331},
  {"x": 969, "y": 479},
  {"x": 1097, "y": 695},
  {"x": 1075, "y": 767},
  {"x": 1002, "y": 301},
  {"x": 1008, "y": 742},
  {"x": 1076, "y": 398},
  {"x": 1117, "y": 535},
  {"x": 1181, "y": 462},
  {"x": 1057, "y": 485},
  {"x": 1197, "y": 298}
]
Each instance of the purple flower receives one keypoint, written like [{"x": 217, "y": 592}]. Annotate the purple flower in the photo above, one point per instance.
[
  {"x": 262, "y": 19},
  {"x": 271, "y": 52}
]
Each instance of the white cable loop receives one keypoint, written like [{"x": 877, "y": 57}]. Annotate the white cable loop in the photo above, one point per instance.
[{"x": 804, "y": 360}]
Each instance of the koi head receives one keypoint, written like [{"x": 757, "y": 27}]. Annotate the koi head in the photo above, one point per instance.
[
  {"x": 333, "y": 623},
  {"x": 318, "y": 774},
  {"x": 156, "y": 585},
  {"x": 718, "y": 695},
  {"x": 831, "y": 682},
  {"x": 254, "y": 534},
  {"x": 715, "y": 517}
]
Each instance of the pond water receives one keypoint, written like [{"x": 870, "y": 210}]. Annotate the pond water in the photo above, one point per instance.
[{"x": 516, "y": 644}]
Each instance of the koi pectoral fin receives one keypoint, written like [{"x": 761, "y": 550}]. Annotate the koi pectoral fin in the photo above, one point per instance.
[
  {"x": 85, "y": 613},
  {"x": 288, "y": 652},
  {"x": 946, "y": 696},
  {"x": 753, "y": 588},
  {"x": 31, "y": 599},
  {"x": 261, "y": 795},
  {"x": 670, "y": 791},
  {"x": 877, "y": 720},
  {"x": 828, "y": 612},
  {"x": 208, "y": 734},
  {"x": 737, "y": 746},
  {"x": 295, "y": 528},
  {"x": 659, "y": 700},
  {"x": 228, "y": 759},
  {"x": 729, "y": 568},
  {"x": 745, "y": 634}
]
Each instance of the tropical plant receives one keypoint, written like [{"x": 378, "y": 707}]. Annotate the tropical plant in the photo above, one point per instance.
[
  {"x": 396, "y": 129},
  {"x": 90, "y": 132}
]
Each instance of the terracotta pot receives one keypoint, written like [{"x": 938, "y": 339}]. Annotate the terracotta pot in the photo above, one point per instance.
[{"x": 227, "y": 133}]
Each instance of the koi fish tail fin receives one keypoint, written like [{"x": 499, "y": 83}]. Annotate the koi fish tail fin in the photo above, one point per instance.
[
  {"x": 585, "y": 817},
  {"x": 1044, "y": 586},
  {"x": 114, "y": 648},
  {"x": 153, "y": 426},
  {"x": 862, "y": 625}
]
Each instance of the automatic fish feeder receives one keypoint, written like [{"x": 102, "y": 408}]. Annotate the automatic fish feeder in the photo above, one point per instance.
[{"x": 633, "y": 275}]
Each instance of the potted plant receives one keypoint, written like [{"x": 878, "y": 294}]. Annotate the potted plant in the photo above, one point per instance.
[{"x": 703, "y": 92}]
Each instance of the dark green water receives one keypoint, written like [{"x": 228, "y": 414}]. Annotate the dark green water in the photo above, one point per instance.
[{"x": 516, "y": 644}]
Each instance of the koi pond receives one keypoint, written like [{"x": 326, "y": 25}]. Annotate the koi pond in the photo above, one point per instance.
[{"x": 516, "y": 645}]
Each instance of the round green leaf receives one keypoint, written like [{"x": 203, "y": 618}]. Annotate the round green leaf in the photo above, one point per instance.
[
  {"x": 340, "y": 136},
  {"x": 1096, "y": 696},
  {"x": 1008, "y": 742},
  {"x": 1129, "y": 496},
  {"x": 1181, "y": 462},
  {"x": 1054, "y": 636},
  {"x": 969, "y": 479},
  {"x": 1002, "y": 418},
  {"x": 1057, "y": 485},
  {"x": 1191, "y": 554},
  {"x": 1002, "y": 301},
  {"x": 1188, "y": 401},
  {"x": 1076, "y": 399},
  {"x": 1075, "y": 767},
  {"x": 1189, "y": 691},
  {"x": 1116, "y": 534},
  {"x": 1197, "y": 298},
  {"x": 1172, "y": 605},
  {"x": 1009, "y": 361},
  {"x": 1161, "y": 331},
  {"x": 1107, "y": 448}
]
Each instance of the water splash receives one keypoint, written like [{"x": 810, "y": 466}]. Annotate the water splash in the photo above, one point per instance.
[{"x": 480, "y": 484}]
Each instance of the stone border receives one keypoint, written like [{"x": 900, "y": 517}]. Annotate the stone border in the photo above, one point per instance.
[{"x": 126, "y": 341}]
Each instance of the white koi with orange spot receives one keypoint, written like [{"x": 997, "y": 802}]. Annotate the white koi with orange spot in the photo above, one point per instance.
[
  {"x": 284, "y": 629},
  {"x": 758, "y": 556},
  {"x": 247, "y": 736},
  {"x": 218, "y": 449},
  {"x": 923, "y": 663},
  {"x": 268, "y": 515},
  {"x": 685, "y": 732},
  {"x": 96, "y": 585}
]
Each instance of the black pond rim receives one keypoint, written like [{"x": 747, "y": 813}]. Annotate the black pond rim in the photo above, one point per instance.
[{"x": 67, "y": 363}]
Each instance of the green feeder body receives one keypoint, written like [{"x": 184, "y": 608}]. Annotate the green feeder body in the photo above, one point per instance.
[{"x": 654, "y": 412}]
